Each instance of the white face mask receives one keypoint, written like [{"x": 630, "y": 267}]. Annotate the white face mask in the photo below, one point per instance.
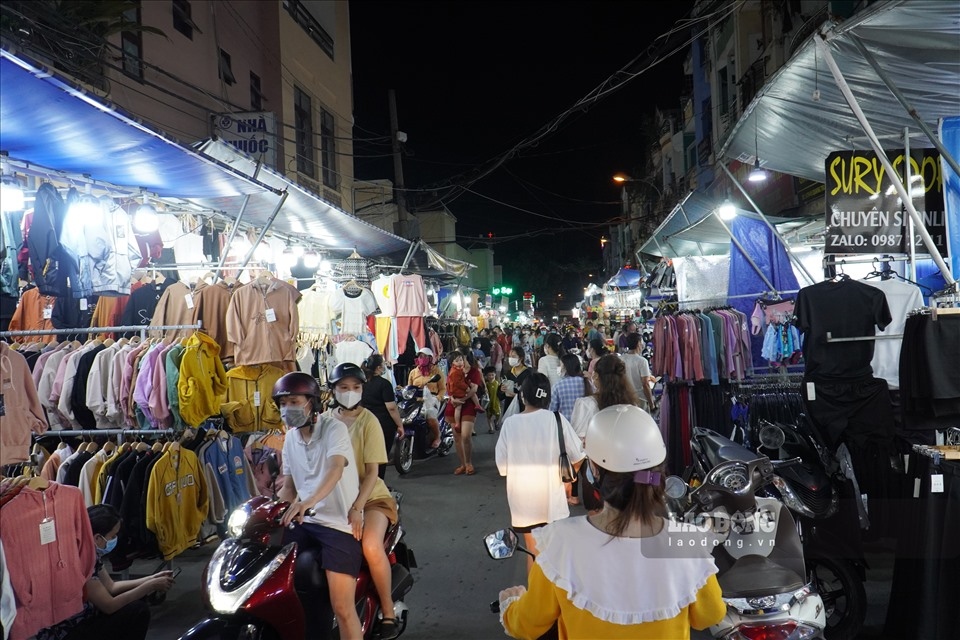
[
  {"x": 348, "y": 399},
  {"x": 513, "y": 361}
]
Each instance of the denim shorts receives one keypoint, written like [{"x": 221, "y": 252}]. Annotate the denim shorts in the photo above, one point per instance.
[{"x": 339, "y": 552}]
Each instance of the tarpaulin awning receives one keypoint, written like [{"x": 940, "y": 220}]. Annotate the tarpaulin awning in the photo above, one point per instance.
[
  {"x": 691, "y": 229},
  {"x": 624, "y": 278},
  {"x": 303, "y": 215},
  {"x": 917, "y": 44},
  {"x": 48, "y": 122}
]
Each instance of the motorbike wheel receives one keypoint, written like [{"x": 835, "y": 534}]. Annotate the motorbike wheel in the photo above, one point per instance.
[
  {"x": 403, "y": 455},
  {"x": 844, "y": 597}
]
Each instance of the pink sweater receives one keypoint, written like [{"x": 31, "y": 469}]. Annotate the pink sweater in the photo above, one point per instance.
[{"x": 48, "y": 579}]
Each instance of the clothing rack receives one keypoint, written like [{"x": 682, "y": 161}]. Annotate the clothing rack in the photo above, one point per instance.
[
  {"x": 736, "y": 297},
  {"x": 893, "y": 336},
  {"x": 142, "y": 328},
  {"x": 80, "y": 433}
]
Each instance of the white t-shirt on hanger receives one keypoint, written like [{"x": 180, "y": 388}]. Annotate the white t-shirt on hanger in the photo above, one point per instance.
[
  {"x": 353, "y": 310},
  {"x": 355, "y": 351},
  {"x": 382, "y": 292},
  {"x": 902, "y": 298}
]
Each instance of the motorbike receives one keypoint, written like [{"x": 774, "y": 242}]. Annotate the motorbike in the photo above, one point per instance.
[
  {"x": 819, "y": 497},
  {"x": 756, "y": 548},
  {"x": 257, "y": 588},
  {"x": 415, "y": 444}
]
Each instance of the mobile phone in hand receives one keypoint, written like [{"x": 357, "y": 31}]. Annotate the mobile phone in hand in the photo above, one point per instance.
[{"x": 176, "y": 572}]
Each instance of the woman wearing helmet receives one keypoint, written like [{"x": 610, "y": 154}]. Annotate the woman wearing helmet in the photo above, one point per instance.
[
  {"x": 616, "y": 574},
  {"x": 420, "y": 376},
  {"x": 373, "y": 509},
  {"x": 319, "y": 471}
]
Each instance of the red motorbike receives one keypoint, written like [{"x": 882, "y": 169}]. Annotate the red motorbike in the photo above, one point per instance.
[{"x": 253, "y": 584}]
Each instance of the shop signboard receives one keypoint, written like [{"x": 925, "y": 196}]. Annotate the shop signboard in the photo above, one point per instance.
[
  {"x": 864, "y": 212},
  {"x": 252, "y": 132}
]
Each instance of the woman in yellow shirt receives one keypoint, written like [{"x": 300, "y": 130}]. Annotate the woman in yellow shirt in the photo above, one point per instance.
[
  {"x": 616, "y": 574},
  {"x": 374, "y": 509}
]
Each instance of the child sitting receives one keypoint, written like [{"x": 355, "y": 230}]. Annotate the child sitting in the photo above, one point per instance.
[{"x": 493, "y": 391}]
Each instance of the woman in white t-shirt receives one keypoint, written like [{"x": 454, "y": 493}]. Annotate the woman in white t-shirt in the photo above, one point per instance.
[
  {"x": 528, "y": 454},
  {"x": 549, "y": 363}
]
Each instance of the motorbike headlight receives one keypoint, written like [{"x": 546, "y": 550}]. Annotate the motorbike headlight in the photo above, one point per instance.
[
  {"x": 409, "y": 393},
  {"x": 229, "y": 602},
  {"x": 790, "y": 498},
  {"x": 237, "y": 521}
]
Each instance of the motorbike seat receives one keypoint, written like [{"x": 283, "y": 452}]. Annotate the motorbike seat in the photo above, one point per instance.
[
  {"x": 754, "y": 576},
  {"x": 307, "y": 574},
  {"x": 719, "y": 449}
]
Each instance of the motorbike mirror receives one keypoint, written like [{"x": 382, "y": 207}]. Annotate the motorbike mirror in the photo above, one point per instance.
[
  {"x": 273, "y": 467},
  {"x": 771, "y": 437},
  {"x": 435, "y": 378},
  {"x": 675, "y": 488},
  {"x": 501, "y": 544}
]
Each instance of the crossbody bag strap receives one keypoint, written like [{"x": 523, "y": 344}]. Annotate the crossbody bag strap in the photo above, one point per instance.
[{"x": 563, "y": 447}]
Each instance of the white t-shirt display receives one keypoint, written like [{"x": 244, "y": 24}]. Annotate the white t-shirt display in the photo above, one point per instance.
[
  {"x": 902, "y": 298},
  {"x": 308, "y": 462},
  {"x": 355, "y": 351},
  {"x": 528, "y": 454},
  {"x": 315, "y": 313},
  {"x": 382, "y": 292},
  {"x": 353, "y": 310},
  {"x": 638, "y": 369}
]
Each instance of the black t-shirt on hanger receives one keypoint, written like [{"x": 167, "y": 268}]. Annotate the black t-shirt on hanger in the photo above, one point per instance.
[{"x": 845, "y": 309}]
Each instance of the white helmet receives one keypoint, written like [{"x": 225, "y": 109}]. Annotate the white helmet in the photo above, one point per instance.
[
  {"x": 426, "y": 350},
  {"x": 624, "y": 438}
]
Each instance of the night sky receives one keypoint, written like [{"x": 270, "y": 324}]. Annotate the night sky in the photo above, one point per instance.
[{"x": 473, "y": 79}]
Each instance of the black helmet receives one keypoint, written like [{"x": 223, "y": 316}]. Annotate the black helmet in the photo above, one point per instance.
[
  {"x": 296, "y": 384},
  {"x": 345, "y": 370}
]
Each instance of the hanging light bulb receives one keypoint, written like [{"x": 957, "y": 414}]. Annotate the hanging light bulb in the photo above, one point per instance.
[
  {"x": 757, "y": 174},
  {"x": 727, "y": 210},
  {"x": 263, "y": 253},
  {"x": 145, "y": 218},
  {"x": 311, "y": 259},
  {"x": 298, "y": 251},
  {"x": 287, "y": 258}
]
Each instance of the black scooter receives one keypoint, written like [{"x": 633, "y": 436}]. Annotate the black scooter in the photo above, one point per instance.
[
  {"x": 819, "y": 497},
  {"x": 415, "y": 443}
]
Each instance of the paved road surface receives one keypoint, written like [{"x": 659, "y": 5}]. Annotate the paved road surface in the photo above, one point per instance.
[{"x": 445, "y": 517}]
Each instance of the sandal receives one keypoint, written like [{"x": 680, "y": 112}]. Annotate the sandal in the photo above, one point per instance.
[
  {"x": 389, "y": 629},
  {"x": 459, "y": 471},
  {"x": 470, "y": 470},
  {"x": 435, "y": 444}
]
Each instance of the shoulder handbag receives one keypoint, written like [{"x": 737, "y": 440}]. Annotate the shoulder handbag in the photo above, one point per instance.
[{"x": 567, "y": 474}]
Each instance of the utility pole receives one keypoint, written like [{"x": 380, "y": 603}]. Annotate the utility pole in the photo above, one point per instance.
[{"x": 403, "y": 227}]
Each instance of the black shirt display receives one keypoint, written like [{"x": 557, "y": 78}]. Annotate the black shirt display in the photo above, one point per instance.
[
  {"x": 845, "y": 309},
  {"x": 143, "y": 302}
]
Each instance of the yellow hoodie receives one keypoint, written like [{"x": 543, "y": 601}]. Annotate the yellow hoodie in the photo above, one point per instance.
[
  {"x": 203, "y": 381},
  {"x": 177, "y": 501},
  {"x": 249, "y": 405}
]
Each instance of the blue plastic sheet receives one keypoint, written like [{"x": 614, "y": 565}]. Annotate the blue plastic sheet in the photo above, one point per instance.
[{"x": 770, "y": 256}]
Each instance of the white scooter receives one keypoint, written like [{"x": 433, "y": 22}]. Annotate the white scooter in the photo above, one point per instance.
[{"x": 756, "y": 547}]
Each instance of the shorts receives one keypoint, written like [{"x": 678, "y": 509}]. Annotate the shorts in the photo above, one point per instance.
[
  {"x": 469, "y": 411},
  {"x": 529, "y": 529},
  {"x": 339, "y": 552},
  {"x": 386, "y": 506}
]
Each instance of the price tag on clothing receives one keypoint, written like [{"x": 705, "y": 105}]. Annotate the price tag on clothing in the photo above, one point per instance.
[
  {"x": 83, "y": 304},
  {"x": 271, "y": 315},
  {"x": 48, "y": 531},
  {"x": 936, "y": 483},
  {"x": 916, "y": 487},
  {"x": 189, "y": 299},
  {"x": 811, "y": 391},
  {"x": 256, "y": 398},
  {"x": 47, "y": 313}
]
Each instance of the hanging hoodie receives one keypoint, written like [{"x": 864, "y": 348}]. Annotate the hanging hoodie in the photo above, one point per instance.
[
  {"x": 20, "y": 411},
  {"x": 249, "y": 405},
  {"x": 100, "y": 238},
  {"x": 203, "y": 383},
  {"x": 43, "y": 242},
  {"x": 177, "y": 501}
]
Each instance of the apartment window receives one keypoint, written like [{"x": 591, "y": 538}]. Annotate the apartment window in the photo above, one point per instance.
[
  {"x": 328, "y": 155},
  {"x": 182, "y": 19},
  {"x": 226, "y": 68},
  {"x": 131, "y": 45},
  {"x": 256, "y": 97},
  {"x": 305, "y": 19},
  {"x": 723, "y": 84},
  {"x": 303, "y": 123}
]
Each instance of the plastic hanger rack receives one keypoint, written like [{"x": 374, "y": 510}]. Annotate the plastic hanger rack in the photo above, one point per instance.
[{"x": 141, "y": 328}]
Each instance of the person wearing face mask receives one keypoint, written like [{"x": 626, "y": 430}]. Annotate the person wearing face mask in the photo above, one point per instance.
[
  {"x": 112, "y": 609},
  {"x": 549, "y": 363},
  {"x": 374, "y": 509},
  {"x": 420, "y": 376},
  {"x": 381, "y": 400},
  {"x": 513, "y": 378},
  {"x": 320, "y": 473},
  {"x": 596, "y": 349}
]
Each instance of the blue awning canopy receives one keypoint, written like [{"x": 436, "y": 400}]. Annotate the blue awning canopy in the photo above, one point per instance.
[
  {"x": 625, "y": 278},
  {"x": 56, "y": 127},
  {"x": 46, "y": 121}
]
